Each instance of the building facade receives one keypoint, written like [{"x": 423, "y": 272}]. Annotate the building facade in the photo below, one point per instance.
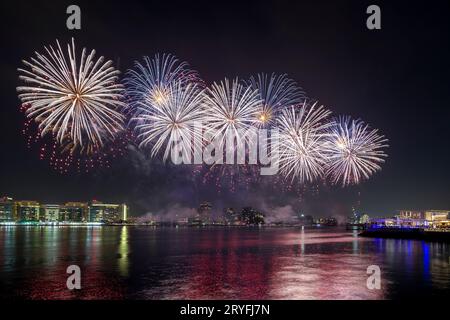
[
  {"x": 204, "y": 212},
  {"x": 107, "y": 213},
  {"x": 250, "y": 216},
  {"x": 7, "y": 213},
  {"x": 27, "y": 211},
  {"x": 437, "y": 215},
  {"x": 418, "y": 219},
  {"x": 74, "y": 212},
  {"x": 50, "y": 212},
  {"x": 411, "y": 214}
]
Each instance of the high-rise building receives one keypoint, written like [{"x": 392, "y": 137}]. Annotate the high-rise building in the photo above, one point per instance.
[
  {"x": 74, "y": 212},
  {"x": 204, "y": 212},
  {"x": 50, "y": 212},
  {"x": 79, "y": 212},
  {"x": 7, "y": 213},
  {"x": 27, "y": 211},
  {"x": 251, "y": 216},
  {"x": 231, "y": 216},
  {"x": 107, "y": 213}
]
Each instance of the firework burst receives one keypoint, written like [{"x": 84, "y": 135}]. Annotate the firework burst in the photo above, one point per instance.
[
  {"x": 77, "y": 101},
  {"x": 230, "y": 111},
  {"x": 302, "y": 132},
  {"x": 276, "y": 92},
  {"x": 354, "y": 151},
  {"x": 171, "y": 121},
  {"x": 152, "y": 81}
]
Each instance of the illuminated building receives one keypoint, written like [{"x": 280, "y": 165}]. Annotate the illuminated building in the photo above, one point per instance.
[
  {"x": 384, "y": 222},
  {"x": 436, "y": 215},
  {"x": 364, "y": 219},
  {"x": 204, "y": 212},
  {"x": 329, "y": 221},
  {"x": 27, "y": 211},
  {"x": 417, "y": 219},
  {"x": 50, "y": 212},
  {"x": 183, "y": 221},
  {"x": 107, "y": 213},
  {"x": 437, "y": 218},
  {"x": 250, "y": 216},
  {"x": 411, "y": 214},
  {"x": 195, "y": 221},
  {"x": 354, "y": 219},
  {"x": 231, "y": 216},
  {"x": 426, "y": 218},
  {"x": 7, "y": 213},
  {"x": 74, "y": 212}
]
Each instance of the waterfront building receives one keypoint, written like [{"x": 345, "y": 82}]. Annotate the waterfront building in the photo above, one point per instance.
[
  {"x": 438, "y": 218},
  {"x": 181, "y": 221},
  {"x": 195, "y": 221},
  {"x": 27, "y": 211},
  {"x": 364, "y": 219},
  {"x": 354, "y": 218},
  {"x": 219, "y": 221},
  {"x": 231, "y": 216},
  {"x": 7, "y": 213},
  {"x": 50, "y": 212},
  {"x": 204, "y": 212},
  {"x": 443, "y": 224},
  {"x": 417, "y": 219},
  {"x": 425, "y": 218},
  {"x": 385, "y": 222},
  {"x": 250, "y": 216},
  {"x": 398, "y": 221},
  {"x": 437, "y": 215},
  {"x": 73, "y": 212},
  {"x": 107, "y": 212},
  {"x": 411, "y": 214},
  {"x": 328, "y": 221}
]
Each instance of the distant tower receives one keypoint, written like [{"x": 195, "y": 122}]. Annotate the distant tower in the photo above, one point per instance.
[
  {"x": 231, "y": 216},
  {"x": 204, "y": 212}
]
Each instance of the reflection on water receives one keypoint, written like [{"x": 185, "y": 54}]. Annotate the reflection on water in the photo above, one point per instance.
[
  {"x": 123, "y": 252},
  {"x": 215, "y": 263}
]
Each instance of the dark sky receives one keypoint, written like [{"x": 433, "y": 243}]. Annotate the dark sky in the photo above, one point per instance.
[{"x": 396, "y": 79}]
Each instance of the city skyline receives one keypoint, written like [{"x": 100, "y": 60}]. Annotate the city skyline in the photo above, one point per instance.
[
  {"x": 32, "y": 211},
  {"x": 93, "y": 211}
]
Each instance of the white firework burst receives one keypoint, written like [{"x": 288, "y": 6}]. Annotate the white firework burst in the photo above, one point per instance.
[
  {"x": 301, "y": 147},
  {"x": 78, "y": 101},
  {"x": 230, "y": 111},
  {"x": 276, "y": 92},
  {"x": 152, "y": 81},
  {"x": 354, "y": 151},
  {"x": 172, "y": 122}
]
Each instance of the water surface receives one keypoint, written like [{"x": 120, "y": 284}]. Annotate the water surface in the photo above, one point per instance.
[{"x": 216, "y": 263}]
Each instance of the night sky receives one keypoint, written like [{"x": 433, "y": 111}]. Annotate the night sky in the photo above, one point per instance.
[{"x": 396, "y": 79}]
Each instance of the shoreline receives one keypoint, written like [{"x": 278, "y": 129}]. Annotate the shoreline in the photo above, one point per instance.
[{"x": 407, "y": 234}]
